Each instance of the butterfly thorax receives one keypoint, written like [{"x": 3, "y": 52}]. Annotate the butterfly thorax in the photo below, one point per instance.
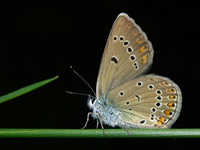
[{"x": 105, "y": 112}]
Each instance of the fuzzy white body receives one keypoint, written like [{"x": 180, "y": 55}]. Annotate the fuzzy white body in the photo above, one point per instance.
[{"x": 105, "y": 113}]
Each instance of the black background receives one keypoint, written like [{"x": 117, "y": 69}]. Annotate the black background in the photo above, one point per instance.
[{"x": 42, "y": 39}]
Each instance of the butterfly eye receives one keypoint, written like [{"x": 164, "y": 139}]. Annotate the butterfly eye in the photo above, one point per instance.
[{"x": 92, "y": 101}]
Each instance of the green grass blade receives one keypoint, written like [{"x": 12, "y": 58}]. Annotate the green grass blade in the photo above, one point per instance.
[
  {"x": 25, "y": 89},
  {"x": 97, "y": 133}
]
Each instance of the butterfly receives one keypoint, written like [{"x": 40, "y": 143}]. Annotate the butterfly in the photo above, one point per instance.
[{"x": 125, "y": 97}]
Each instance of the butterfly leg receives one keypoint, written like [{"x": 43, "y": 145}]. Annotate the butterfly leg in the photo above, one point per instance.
[
  {"x": 97, "y": 124},
  {"x": 88, "y": 116},
  {"x": 99, "y": 118},
  {"x": 124, "y": 126},
  {"x": 127, "y": 131}
]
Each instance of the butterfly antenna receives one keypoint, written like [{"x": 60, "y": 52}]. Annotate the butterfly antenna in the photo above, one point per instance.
[
  {"x": 84, "y": 82},
  {"x": 76, "y": 93}
]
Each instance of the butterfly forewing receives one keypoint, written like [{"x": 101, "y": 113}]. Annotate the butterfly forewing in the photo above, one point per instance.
[
  {"x": 147, "y": 102},
  {"x": 127, "y": 54}
]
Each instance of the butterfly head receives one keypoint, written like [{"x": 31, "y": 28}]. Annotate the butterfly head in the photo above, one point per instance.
[{"x": 91, "y": 102}]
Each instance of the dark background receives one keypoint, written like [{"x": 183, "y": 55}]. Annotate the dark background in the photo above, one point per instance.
[{"x": 42, "y": 39}]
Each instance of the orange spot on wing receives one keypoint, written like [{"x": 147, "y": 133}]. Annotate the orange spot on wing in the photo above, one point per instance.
[
  {"x": 171, "y": 90},
  {"x": 139, "y": 40},
  {"x": 162, "y": 119},
  {"x": 142, "y": 49},
  {"x": 159, "y": 122},
  {"x": 172, "y": 97},
  {"x": 144, "y": 59},
  {"x": 167, "y": 113},
  {"x": 164, "y": 83},
  {"x": 170, "y": 105}
]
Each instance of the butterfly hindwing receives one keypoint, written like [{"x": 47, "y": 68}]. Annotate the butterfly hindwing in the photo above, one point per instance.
[{"x": 148, "y": 101}]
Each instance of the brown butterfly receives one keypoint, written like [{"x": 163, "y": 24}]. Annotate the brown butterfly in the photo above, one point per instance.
[{"x": 124, "y": 96}]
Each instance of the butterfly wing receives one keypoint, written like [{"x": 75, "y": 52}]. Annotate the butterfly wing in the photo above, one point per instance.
[
  {"x": 127, "y": 54},
  {"x": 147, "y": 102}
]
